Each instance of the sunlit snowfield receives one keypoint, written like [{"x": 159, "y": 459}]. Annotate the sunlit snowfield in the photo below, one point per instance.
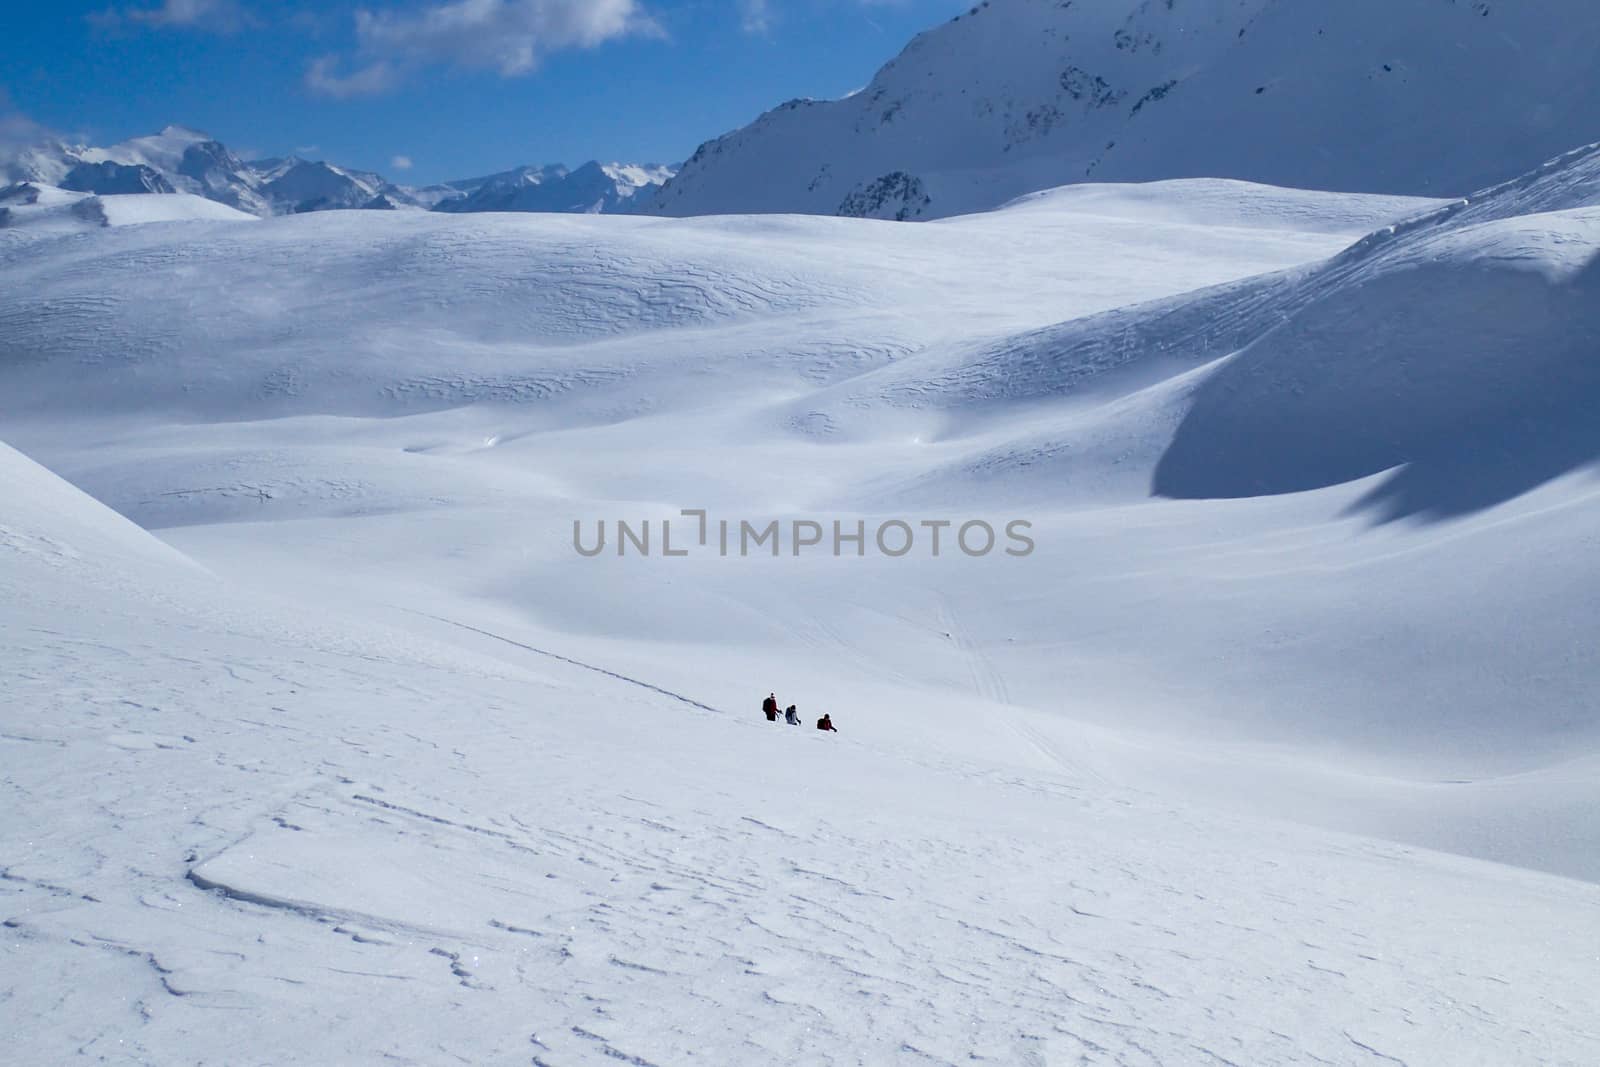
[{"x": 1279, "y": 748}]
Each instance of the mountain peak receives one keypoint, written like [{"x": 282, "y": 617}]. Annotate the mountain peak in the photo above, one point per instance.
[
  {"x": 1015, "y": 96},
  {"x": 175, "y": 130}
]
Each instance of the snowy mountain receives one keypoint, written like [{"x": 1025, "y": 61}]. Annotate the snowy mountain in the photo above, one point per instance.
[
  {"x": 460, "y": 188},
  {"x": 593, "y": 188},
  {"x": 183, "y": 160},
  {"x": 1020, "y": 95},
  {"x": 188, "y": 161},
  {"x": 295, "y": 185}
]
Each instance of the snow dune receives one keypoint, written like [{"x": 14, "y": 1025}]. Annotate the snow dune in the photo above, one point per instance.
[
  {"x": 525, "y": 308},
  {"x": 395, "y": 763}
]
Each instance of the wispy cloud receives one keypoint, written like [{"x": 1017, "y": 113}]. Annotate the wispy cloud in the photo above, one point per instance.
[
  {"x": 18, "y": 131},
  {"x": 506, "y": 36},
  {"x": 400, "y": 162},
  {"x": 220, "y": 16},
  {"x": 323, "y": 76},
  {"x": 762, "y": 16},
  {"x": 755, "y": 16}
]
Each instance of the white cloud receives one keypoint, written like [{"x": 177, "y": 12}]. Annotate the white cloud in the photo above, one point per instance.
[
  {"x": 755, "y": 16},
  {"x": 18, "y": 131},
  {"x": 507, "y": 36},
  {"x": 322, "y": 76},
  {"x": 400, "y": 162},
  {"x": 178, "y": 12},
  {"x": 224, "y": 16}
]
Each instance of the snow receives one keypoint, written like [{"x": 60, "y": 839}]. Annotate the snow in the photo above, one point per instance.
[
  {"x": 1417, "y": 97},
  {"x": 1220, "y": 202},
  {"x": 33, "y": 209},
  {"x": 1271, "y": 754}
]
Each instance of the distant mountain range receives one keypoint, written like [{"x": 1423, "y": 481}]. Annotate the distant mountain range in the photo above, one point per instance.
[
  {"x": 1418, "y": 97},
  {"x": 591, "y": 188},
  {"x": 182, "y": 160}
]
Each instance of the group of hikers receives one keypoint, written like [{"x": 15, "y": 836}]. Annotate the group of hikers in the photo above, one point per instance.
[{"x": 791, "y": 714}]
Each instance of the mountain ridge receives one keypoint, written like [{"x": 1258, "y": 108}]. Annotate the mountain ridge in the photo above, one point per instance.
[
  {"x": 1015, "y": 96},
  {"x": 181, "y": 159}
]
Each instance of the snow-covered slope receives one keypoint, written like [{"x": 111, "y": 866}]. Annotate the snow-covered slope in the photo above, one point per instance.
[
  {"x": 1020, "y": 95},
  {"x": 419, "y": 841},
  {"x": 29, "y": 208},
  {"x": 411, "y": 757},
  {"x": 50, "y": 524}
]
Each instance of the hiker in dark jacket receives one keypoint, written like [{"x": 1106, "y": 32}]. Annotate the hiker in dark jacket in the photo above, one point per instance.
[
  {"x": 791, "y": 715},
  {"x": 769, "y": 707},
  {"x": 826, "y": 723}
]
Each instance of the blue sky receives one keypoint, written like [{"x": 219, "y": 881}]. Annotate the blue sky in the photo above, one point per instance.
[{"x": 455, "y": 87}]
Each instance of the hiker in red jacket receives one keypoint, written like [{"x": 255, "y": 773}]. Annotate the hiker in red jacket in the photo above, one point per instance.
[
  {"x": 769, "y": 707},
  {"x": 826, "y": 723}
]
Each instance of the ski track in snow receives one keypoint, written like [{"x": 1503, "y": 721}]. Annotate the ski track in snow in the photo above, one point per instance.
[
  {"x": 988, "y": 682},
  {"x": 576, "y": 663}
]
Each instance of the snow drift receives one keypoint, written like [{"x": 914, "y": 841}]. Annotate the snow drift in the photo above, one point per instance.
[{"x": 1472, "y": 361}]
